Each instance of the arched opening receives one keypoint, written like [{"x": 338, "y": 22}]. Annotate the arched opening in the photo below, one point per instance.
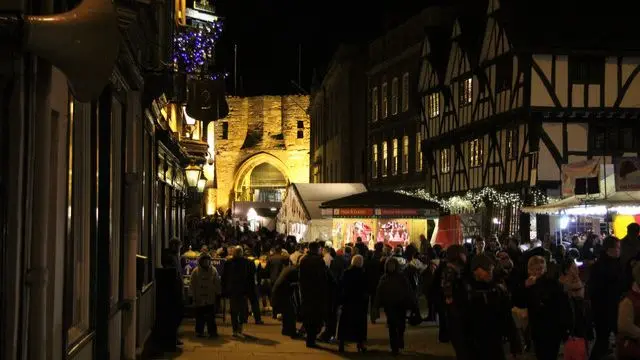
[{"x": 262, "y": 178}]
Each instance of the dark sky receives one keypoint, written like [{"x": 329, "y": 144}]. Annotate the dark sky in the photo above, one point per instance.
[{"x": 268, "y": 33}]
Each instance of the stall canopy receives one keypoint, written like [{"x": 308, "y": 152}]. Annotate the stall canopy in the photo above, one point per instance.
[
  {"x": 301, "y": 208},
  {"x": 383, "y": 200},
  {"x": 619, "y": 198}
]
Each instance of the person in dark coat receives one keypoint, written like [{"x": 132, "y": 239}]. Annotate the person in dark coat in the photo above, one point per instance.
[
  {"x": 374, "y": 269},
  {"x": 277, "y": 262},
  {"x": 171, "y": 260},
  {"x": 314, "y": 278},
  {"x": 237, "y": 283},
  {"x": 394, "y": 295},
  {"x": 353, "y": 299},
  {"x": 454, "y": 278},
  {"x": 282, "y": 297},
  {"x": 488, "y": 304},
  {"x": 548, "y": 309},
  {"x": 605, "y": 291}
]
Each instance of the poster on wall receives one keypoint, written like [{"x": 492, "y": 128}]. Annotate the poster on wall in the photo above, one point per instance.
[
  {"x": 627, "y": 171},
  {"x": 348, "y": 230},
  {"x": 394, "y": 231}
]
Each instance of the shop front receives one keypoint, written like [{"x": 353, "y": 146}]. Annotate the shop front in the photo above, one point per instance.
[{"x": 378, "y": 216}]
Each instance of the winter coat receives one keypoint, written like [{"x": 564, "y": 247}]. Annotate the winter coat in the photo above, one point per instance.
[
  {"x": 548, "y": 309},
  {"x": 205, "y": 285},
  {"x": 353, "y": 298},
  {"x": 314, "y": 287},
  {"x": 283, "y": 289},
  {"x": 238, "y": 277},
  {"x": 605, "y": 289},
  {"x": 394, "y": 291}
]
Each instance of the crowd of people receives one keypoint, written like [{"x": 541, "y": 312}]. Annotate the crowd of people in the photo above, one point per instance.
[{"x": 482, "y": 294}]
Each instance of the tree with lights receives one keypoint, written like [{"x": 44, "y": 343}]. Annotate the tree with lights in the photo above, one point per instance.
[{"x": 194, "y": 49}]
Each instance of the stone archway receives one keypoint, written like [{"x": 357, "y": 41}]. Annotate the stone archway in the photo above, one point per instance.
[{"x": 268, "y": 165}]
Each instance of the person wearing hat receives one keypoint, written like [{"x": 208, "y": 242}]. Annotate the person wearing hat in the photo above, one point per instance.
[
  {"x": 205, "y": 287},
  {"x": 488, "y": 303},
  {"x": 628, "y": 338}
]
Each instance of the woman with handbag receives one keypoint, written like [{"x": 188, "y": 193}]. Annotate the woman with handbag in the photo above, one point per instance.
[{"x": 628, "y": 339}]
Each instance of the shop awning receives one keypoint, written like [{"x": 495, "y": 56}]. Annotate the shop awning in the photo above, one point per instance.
[
  {"x": 619, "y": 198},
  {"x": 380, "y": 204}
]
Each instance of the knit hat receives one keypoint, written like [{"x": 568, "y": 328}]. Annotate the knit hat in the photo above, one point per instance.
[{"x": 482, "y": 261}]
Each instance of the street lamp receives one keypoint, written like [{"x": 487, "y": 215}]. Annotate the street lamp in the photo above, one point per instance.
[
  {"x": 201, "y": 183},
  {"x": 193, "y": 174}
]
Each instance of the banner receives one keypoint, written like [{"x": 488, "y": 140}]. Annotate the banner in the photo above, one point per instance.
[
  {"x": 627, "y": 172},
  {"x": 578, "y": 170}
]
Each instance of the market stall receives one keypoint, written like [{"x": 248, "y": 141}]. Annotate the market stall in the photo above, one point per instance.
[
  {"x": 379, "y": 216},
  {"x": 300, "y": 213}
]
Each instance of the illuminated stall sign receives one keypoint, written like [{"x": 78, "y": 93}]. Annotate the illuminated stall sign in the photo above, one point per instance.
[
  {"x": 373, "y": 212},
  {"x": 353, "y": 212}
]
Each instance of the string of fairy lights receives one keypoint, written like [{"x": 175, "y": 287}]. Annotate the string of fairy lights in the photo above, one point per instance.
[
  {"x": 193, "y": 49},
  {"x": 474, "y": 200}
]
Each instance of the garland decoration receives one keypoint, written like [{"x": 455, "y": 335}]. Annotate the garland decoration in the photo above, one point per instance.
[{"x": 475, "y": 200}]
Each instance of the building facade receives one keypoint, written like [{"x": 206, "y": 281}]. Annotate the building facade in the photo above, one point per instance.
[
  {"x": 260, "y": 147},
  {"x": 338, "y": 116},
  {"x": 508, "y": 109},
  {"x": 91, "y": 193},
  {"x": 394, "y": 139}
]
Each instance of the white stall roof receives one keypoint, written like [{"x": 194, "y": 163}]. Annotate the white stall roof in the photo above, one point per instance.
[{"x": 312, "y": 195}]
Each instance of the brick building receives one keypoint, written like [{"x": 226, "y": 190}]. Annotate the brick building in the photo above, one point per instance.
[
  {"x": 338, "y": 113},
  {"x": 394, "y": 155}
]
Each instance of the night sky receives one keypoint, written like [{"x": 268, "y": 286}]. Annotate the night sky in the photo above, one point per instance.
[{"x": 269, "y": 32}]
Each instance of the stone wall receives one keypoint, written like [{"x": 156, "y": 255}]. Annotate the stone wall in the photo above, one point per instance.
[{"x": 261, "y": 129}]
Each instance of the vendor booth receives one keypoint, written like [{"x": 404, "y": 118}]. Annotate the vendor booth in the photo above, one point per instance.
[
  {"x": 610, "y": 208},
  {"x": 300, "y": 213},
  {"x": 379, "y": 216}
]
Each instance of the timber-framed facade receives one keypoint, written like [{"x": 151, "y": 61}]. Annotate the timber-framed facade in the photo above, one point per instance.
[{"x": 511, "y": 104}]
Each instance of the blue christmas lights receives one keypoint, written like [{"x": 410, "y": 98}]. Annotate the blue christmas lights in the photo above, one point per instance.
[{"x": 194, "y": 49}]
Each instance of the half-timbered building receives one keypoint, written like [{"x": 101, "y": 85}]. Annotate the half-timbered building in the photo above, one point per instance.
[{"x": 525, "y": 91}]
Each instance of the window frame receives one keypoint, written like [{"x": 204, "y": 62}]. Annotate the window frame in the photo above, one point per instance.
[
  {"x": 375, "y": 105},
  {"x": 433, "y": 105},
  {"x": 476, "y": 160},
  {"x": 466, "y": 91},
  {"x": 419, "y": 154},
  {"x": 405, "y": 91},
  {"x": 394, "y": 96},
  {"x": 445, "y": 161},
  {"x": 385, "y": 159},
  {"x": 385, "y": 100},
  {"x": 394, "y": 156},
  {"x": 405, "y": 154},
  {"x": 374, "y": 161}
]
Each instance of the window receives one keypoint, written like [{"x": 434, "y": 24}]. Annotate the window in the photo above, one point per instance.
[
  {"x": 627, "y": 139},
  {"x": 419, "y": 152},
  {"x": 300, "y": 134},
  {"x": 599, "y": 138},
  {"x": 374, "y": 161},
  {"x": 512, "y": 144},
  {"x": 385, "y": 160},
  {"x": 79, "y": 218},
  {"x": 504, "y": 73},
  {"x": 586, "y": 70},
  {"x": 445, "y": 162},
  {"x": 385, "y": 101},
  {"x": 405, "y": 92},
  {"x": 394, "y": 96},
  {"x": 405, "y": 154},
  {"x": 225, "y": 130},
  {"x": 374, "y": 104},
  {"x": 434, "y": 105},
  {"x": 466, "y": 91},
  {"x": 394, "y": 169},
  {"x": 476, "y": 152}
]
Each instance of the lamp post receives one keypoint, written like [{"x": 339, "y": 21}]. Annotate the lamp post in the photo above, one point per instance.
[{"x": 193, "y": 173}]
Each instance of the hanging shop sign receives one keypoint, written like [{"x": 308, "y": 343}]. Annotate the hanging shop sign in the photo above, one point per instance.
[
  {"x": 379, "y": 212},
  {"x": 627, "y": 170},
  {"x": 578, "y": 170},
  {"x": 206, "y": 100}
]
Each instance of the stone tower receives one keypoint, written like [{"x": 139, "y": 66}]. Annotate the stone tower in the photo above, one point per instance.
[{"x": 261, "y": 147}]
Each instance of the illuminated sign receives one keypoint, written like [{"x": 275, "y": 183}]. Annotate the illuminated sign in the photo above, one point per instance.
[
  {"x": 199, "y": 15},
  {"x": 353, "y": 212},
  {"x": 371, "y": 212}
]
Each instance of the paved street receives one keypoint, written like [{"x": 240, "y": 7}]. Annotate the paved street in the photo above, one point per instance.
[{"x": 265, "y": 342}]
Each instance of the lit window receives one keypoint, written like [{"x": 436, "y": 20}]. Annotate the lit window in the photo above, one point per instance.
[
  {"x": 374, "y": 164},
  {"x": 405, "y": 92},
  {"x": 466, "y": 91},
  {"x": 418, "y": 152},
  {"x": 385, "y": 101},
  {"x": 374, "y": 104},
  {"x": 385, "y": 162},
  {"x": 475, "y": 153},
  {"x": 434, "y": 105},
  {"x": 394, "y": 169},
  {"x": 394, "y": 96},
  {"x": 405, "y": 154},
  {"x": 445, "y": 162}
]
